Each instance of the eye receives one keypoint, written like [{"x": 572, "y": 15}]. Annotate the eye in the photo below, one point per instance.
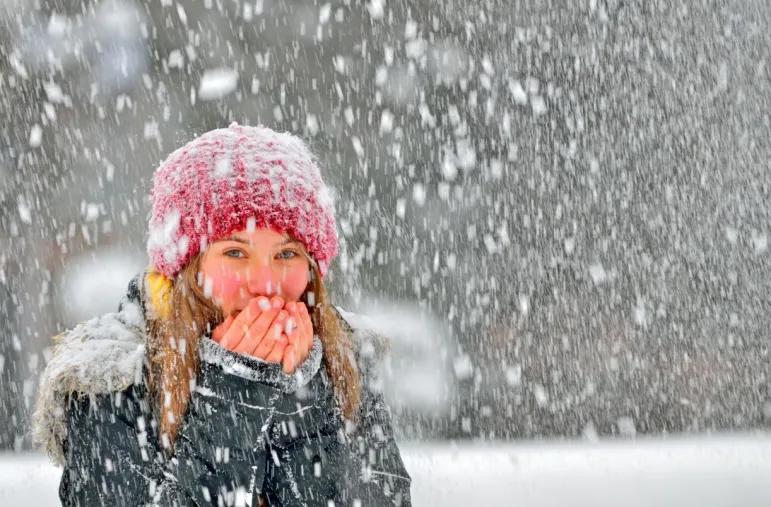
[
  {"x": 287, "y": 254},
  {"x": 234, "y": 253}
]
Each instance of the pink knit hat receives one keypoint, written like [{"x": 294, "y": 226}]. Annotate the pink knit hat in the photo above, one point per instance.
[{"x": 230, "y": 179}]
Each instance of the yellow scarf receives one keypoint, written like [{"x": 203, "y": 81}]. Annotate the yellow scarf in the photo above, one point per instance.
[{"x": 160, "y": 289}]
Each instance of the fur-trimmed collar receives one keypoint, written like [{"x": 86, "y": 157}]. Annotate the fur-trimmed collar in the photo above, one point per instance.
[{"x": 109, "y": 354}]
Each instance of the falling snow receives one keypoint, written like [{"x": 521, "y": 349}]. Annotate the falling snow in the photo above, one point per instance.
[
  {"x": 560, "y": 215},
  {"x": 35, "y": 136},
  {"x": 217, "y": 83}
]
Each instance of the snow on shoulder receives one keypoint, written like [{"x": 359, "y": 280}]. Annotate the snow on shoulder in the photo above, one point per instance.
[{"x": 102, "y": 355}]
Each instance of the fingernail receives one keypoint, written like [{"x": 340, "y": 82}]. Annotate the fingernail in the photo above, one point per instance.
[
  {"x": 282, "y": 315},
  {"x": 276, "y": 303},
  {"x": 290, "y": 325},
  {"x": 263, "y": 303},
  {"x": 291, "y": 307}
]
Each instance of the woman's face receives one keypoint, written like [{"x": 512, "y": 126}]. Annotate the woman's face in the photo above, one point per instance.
[{"x": 246, "y": 265}]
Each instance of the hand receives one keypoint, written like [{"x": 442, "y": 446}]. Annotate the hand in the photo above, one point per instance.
[
  {"x": 258, "y": 331},
  {"x": 299, "y": 333}
]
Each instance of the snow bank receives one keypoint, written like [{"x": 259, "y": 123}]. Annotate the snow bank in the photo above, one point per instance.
[{"x": 703, "y": 472}]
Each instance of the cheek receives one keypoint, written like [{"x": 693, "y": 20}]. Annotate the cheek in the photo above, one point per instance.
[
  {"x": 224, "y": 284},
  {"x": 293, "y": 284}
]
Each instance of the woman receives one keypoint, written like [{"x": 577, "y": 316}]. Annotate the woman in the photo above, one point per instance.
[{"x": 225, "y": 377}]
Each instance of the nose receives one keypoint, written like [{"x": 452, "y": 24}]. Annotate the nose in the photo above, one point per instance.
[{"x": 262, "y": 280}]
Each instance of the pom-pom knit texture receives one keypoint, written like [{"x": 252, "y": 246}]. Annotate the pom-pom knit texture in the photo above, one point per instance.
[{"x": 238, "y": 178}]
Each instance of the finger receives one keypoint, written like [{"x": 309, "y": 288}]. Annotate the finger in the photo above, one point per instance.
[
  {"x": 219, "y": 331},
  {"x": 253, "y": 329},
  {"x": 294, "y": 317},
  {"x": 298, "y": 338},
  {"x": 268, "y": 343},
  {"x": 299, "y": 334},
  {"x": 240, "y": 326},
  {"x": 255, "y": 308},
  {"x": 269, "y": 339},
  {"x": 294, "y": 341},
  {"x": 279, "y": 347},
  {"x": 292, "y": 353},
  {"x": 234, "y": 335},
  {"x": 306, "y": 319},
  {"x": 260, "y": 327},
  {"x": 222, "y": 328},
  {"x": 307, "y": 327},
  {"x": 290, "y": 359}
]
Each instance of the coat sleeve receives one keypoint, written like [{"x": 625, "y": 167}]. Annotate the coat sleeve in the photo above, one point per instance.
[
  {"x": 311, "y": 464},
  {"x": 112, "y": 454},
  {"x": 109, "y": 454},
  {"x": 386, "y": 482}
]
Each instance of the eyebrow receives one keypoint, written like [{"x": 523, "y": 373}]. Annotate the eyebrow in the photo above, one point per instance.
[{"x": 239, "y": 239}]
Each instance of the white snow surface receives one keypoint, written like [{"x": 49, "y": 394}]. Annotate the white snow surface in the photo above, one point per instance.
[{"x": 708, "y": 471}]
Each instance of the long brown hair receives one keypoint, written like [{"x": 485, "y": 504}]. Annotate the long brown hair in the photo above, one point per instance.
[{"x": 189, "y": 314}]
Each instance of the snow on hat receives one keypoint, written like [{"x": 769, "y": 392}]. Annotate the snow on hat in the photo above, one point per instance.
[{"x": 232, "y": 179}]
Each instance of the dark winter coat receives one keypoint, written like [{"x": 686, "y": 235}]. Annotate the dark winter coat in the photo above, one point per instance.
[{"x": 250, "y": 429}]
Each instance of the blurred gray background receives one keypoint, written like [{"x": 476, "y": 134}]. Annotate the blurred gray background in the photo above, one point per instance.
[{"x": 558, "y": 208}]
